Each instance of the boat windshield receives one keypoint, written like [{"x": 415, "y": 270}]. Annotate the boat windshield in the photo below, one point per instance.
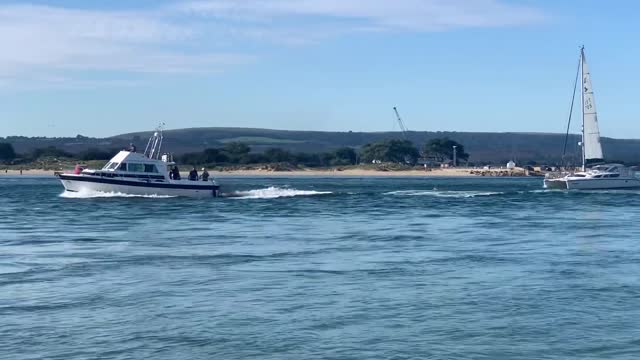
[{"x": 111, "y": 166}]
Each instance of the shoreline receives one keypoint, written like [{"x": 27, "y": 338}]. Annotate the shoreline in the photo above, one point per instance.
[{"x": 449, "y": 172}]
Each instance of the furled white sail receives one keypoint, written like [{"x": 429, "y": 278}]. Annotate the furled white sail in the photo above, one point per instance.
[{"x": 591, "y": 133}]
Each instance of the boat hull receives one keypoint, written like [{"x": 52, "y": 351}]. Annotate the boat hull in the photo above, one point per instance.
[
  {"x": 184, "y": 188},
  {"x": 560, "y": 184},
  {"x": 602, "y": 184}
]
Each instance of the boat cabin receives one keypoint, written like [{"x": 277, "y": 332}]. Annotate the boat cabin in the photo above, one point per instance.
[{"x": 133, "y": 165}]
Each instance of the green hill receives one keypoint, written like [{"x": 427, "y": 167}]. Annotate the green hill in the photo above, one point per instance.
[{"x": 483, "y": 147}]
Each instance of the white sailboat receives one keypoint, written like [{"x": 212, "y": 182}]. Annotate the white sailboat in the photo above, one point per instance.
[{"x": 602, "y": 176}]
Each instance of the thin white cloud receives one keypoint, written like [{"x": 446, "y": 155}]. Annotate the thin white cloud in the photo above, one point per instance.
[
  {"x": 403, "y": 15},
  {"x": 196, "y": 36},
  {"x": 51, "y": 41}
]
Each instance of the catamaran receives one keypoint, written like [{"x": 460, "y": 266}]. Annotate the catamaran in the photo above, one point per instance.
[
  {"x": 600, "y": 175},
  {"x": 132, "y": 173}
]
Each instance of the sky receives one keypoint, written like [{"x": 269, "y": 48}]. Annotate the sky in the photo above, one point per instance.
[{"x": 101, "y": 68}]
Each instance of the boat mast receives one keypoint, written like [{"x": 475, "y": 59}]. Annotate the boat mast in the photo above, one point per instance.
[
  {"x": 584, "y": 159},
  {"x": 573, "y": 100}
]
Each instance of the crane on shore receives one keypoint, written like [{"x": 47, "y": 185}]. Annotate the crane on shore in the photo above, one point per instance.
[{"x": 401, "y": 123}]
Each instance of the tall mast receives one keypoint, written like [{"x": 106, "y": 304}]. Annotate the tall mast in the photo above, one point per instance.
[{"x": 584, "y": 159}]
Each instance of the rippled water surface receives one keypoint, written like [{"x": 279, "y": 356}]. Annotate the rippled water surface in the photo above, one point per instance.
[{"x": 319, "y": 268}]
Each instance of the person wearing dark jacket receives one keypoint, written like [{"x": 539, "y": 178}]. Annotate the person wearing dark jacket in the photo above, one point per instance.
[
  {"x": 205, "y": 175},
  {"x": 175, "y": 173},
  {"x": 193, "y": 174}
]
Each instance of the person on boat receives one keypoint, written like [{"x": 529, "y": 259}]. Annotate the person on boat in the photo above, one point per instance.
[
  {"x": 132, "y": 148},
  {"x": 193, "y": 174},
  {"x": 205, "y": 175},
  {"x": 77, "y": 170},
  {"x": 175, "y": 173}
]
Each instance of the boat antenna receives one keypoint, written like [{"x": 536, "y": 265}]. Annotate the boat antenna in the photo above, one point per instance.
[
  {"x": 573, "y": 99},
  {"x": 152, "y": 151}
]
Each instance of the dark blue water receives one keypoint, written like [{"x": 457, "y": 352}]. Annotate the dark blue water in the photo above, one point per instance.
[{"x": 313, "y": 268}]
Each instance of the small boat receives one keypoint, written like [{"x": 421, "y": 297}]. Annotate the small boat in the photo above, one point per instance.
[
  {"x": 600, "y": 175},
  {"x": 132, "y": 173}
]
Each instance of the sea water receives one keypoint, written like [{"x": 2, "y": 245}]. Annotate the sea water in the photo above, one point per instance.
[{"x": 321, "y": 268}]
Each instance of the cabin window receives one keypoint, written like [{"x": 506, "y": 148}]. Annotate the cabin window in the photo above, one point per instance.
[
  {"x": 614, "y": 175},
  {"x": 113, "y": 166},
  {"x": 150, "y": 168},
  {"x": 135, "y": 167},
  {"x": 597, "y": 176},
  {"x": 123, "y": 167},
  {"x": 106, "y": 166}
]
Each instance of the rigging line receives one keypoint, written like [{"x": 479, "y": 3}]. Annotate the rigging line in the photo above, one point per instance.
[{"x": 573, "y": 99}]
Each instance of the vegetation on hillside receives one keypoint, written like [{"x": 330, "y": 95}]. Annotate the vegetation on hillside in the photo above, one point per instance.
[
  {"x": 239, "y": 153},
  {"x": 7, "y": 153},
  {"x": 441, "y": 150},
  {"x": 399, "y": 152},
  {"x": 395, "y": 151},
  {"x": 485, "y": 148}
]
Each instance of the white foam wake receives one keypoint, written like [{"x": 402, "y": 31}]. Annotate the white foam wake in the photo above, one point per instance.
[
  {"x": 275, "y": 192},
  {"x": 89, "y": 194},
  {"x": 444, "y": 193}
]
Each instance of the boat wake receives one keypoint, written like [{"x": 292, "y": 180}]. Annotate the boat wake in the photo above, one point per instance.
[
  {"x": 88, "y": 194},
  {"x": 444, "y": 193},
  {"x": 274, "y": 192}
]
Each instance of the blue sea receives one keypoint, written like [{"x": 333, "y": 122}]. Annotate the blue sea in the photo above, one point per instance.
[{"x": 321, "y": 268}]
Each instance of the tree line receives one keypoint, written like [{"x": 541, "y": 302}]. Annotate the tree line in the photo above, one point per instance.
[
  {"x": 385, "y": 151},
  {"x": 234, "y": 153},
  {"x": 8, "y": 154}
]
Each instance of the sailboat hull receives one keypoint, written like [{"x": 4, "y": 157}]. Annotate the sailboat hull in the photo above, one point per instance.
[
  {"x": 557, "y": 184},
  {"x": 602, "y": 184}
]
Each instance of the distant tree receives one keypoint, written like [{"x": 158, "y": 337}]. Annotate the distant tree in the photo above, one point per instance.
[
  {"x": 399, "y": 151},
  {"x": 193, "y": 158},
  {"x": 276, "y": 155},
  {"x": 7, "y": 152},
  {"x": 308, "y": 159},
  {"x": 344, "y": 156},
  {"x": 237, "y": 152},
  {"x": 49, "y": 151},
  {"x": 214, "y": 155},
  {"x": 95, "y": 154},
  {"x": 441, "y": 149},
  {"x": 236, "y": 148}
]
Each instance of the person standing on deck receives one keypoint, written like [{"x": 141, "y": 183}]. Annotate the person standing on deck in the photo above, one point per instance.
[
  {"x": 193, "y": 174},
  {"x": 205, "y": 175},
  {"x": 176, "y": 173}
]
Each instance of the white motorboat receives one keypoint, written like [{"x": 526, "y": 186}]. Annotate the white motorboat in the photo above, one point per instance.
[
  {"x": 132, "y": 173},
  {"x": 602, "y": 176}
]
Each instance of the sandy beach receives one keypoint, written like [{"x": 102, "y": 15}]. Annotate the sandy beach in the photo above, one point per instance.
[{"x": 457, "y": 172}]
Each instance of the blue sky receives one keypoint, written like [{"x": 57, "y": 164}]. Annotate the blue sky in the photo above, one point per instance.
[{"x": 95, "y": 68}]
